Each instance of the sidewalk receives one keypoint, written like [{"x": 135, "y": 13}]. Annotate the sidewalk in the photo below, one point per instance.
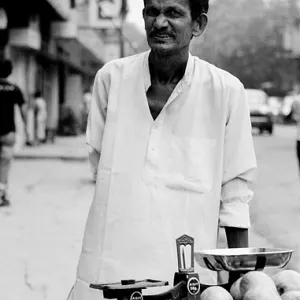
[{"x": 64, "y": 148}]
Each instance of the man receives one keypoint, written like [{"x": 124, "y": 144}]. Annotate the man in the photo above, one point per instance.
[
  {"x": 171, "y": 145},
  {"x": 296, "y": 116},
  {"x": 10, "y": 95}
]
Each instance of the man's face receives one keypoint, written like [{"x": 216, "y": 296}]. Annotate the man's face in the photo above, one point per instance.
[{"x": 168, "y": 24}]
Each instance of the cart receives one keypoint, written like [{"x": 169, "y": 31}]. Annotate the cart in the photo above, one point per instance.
[{"x": 187, "y": 284}]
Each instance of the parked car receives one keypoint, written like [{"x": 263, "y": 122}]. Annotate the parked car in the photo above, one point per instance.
[{"x": 260, "y": 112}]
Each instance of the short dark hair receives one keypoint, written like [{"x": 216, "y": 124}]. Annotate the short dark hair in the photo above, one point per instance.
[
  {"x": 37, "y": 94},
  {"x": 5, "y": 68},
  {"x": 198, "y": 7}
]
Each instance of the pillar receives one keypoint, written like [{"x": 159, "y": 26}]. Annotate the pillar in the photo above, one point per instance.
[{"x": 74, "y": 95}]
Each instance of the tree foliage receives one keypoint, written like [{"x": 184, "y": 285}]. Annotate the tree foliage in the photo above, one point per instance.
[{"x": 246, "y": 38}]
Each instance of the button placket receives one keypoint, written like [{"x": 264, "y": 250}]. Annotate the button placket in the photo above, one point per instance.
[{"x": 153, "y": 145}]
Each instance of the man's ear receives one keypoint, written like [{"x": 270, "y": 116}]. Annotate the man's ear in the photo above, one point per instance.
[
  {"x": 144, "y": 18},
  {"x": 143, "y": 13},
  {"x": 200, "y": 25}
]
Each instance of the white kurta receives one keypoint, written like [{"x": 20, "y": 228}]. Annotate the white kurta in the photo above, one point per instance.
[{"x": 184, "y": 173}]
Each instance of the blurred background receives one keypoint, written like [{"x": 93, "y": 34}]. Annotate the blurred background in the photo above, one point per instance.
[{"x": 56, "y": 47}]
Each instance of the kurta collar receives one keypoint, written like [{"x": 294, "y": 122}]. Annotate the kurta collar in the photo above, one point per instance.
[{"x": 187, "y": 78}]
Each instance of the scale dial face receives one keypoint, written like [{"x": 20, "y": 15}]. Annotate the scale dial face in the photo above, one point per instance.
[{"x": 193, "y": 286}]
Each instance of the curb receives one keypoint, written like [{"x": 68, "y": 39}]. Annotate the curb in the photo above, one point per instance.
[{"x": 50, "y": 157}]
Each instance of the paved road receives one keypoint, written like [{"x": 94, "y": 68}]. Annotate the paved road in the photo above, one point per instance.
[
  {"x": 41, "y": 233},
  {"x": 276, "y": 205}
]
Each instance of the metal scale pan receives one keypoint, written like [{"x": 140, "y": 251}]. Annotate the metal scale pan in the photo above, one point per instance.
[{"x": 243, "y": 259}]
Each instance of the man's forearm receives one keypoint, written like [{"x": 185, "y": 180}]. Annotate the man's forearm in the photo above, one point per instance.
[{"x": 237, "y": 237}]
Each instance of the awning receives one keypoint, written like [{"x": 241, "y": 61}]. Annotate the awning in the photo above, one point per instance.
[
  {"x": 93, "y": 43},
  {"x": 48, "y": 8},
  {"x": 85, "y": 53},
  {"x": 57, "y": 10}
]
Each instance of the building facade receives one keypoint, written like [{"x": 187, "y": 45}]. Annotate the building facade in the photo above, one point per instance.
[
  {"x": 51, "y": 54},
  {"x": 107, "y": 18}
]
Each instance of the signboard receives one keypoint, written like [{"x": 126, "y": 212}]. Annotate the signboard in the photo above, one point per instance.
[
  {"x": 109, "y": 9},
  {"x": 107, "y": 13}
]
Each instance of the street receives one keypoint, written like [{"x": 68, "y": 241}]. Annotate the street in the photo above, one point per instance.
[
  {"x": 41, "y": 232},
  {"x": 276, "y": 206}
]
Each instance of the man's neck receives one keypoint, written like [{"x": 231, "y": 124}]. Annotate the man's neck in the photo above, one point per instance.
[{"x": 167, "y": 68}]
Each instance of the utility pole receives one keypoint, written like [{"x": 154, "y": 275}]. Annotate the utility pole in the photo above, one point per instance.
[
  {"x": 123, "y": 14},
  {"x": 121, "y": 38}
]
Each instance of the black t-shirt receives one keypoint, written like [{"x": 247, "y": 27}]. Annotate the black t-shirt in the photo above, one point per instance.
[{"x": 10, "y": 95}]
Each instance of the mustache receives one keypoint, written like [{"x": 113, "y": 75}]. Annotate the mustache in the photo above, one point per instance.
[{"x": 156, "y": 32}]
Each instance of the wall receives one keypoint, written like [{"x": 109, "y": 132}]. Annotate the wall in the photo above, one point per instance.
[
  {"x": 66, "y": 29},
  {"x": 51, "y": 95},
  {"x": 74, "y": 92}
]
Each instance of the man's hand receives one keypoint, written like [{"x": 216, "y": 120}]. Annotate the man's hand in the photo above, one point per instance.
[{"x": 236, "y": 238}]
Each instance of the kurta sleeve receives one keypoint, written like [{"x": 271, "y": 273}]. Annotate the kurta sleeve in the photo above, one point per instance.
[
  {"x": 96, "y": 121},
  {"x": 239, "y": 162}
]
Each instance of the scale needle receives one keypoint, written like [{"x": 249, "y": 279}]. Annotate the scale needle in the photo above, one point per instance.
[{"x": 183, "y": 258}]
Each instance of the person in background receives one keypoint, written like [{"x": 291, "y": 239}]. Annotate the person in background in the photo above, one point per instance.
[
  {"x": 41, "y": 116},
  {"x": 10, "y": 96},
  {"x": 172, "y": 151},
  {"x": 296, "y": 117}
]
